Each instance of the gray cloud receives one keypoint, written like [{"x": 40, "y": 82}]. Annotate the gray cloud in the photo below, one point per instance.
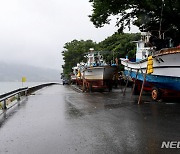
[{"x": 35, "y": 31}]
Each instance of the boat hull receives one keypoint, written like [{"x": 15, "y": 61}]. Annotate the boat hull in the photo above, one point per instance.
[
  {"x": 99, "y": 77},
  {"x": 99, "y": 73},
  {"x": 166, "y": 66},
  {"x": 162, "y": 82}
]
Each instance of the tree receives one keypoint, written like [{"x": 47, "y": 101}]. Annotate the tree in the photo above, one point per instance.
[
  {"x": 73, "y": 53},
  {"x": 156, "y": 16},
  {"x": 119, "y": 45},
  {"x": 115, "y": 46}
]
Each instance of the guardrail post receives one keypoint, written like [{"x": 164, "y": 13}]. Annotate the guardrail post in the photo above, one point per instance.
[
  {"x": 26, "y": 92},
  {"x": 18, "y": 92},
  {"x": 4, "y": 107},
  {"x": 19, "y": 95}
]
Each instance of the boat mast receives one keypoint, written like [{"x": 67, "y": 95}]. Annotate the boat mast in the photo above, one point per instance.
[{"x": 160, "y": 24}]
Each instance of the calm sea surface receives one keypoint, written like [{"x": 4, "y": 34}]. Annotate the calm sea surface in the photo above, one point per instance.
[{"x": 9, "y": 86}]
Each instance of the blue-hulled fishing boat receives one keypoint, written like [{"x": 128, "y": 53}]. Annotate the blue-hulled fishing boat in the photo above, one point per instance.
[{"x": 165, "y": 75}]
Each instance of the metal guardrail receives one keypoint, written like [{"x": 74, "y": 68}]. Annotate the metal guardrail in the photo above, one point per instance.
[
  {"x": 20, "y": 92},
  {"x": 35, "y": 88},
  {"x": 8, "y": 95}
]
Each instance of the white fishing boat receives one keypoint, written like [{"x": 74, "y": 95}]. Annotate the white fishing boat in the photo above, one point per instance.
[
  {"x": 73, "y": 78},
  {"x": 164, "y": 76},
  {"x": 77, "y": 74},
  {"x": 97, "y": 74}
]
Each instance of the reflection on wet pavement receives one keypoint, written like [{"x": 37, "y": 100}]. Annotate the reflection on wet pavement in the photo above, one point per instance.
[{"x": 58, "y": 119}]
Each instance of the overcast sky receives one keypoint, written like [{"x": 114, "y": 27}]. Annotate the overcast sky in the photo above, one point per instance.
[{"x": 34, "y": 32}]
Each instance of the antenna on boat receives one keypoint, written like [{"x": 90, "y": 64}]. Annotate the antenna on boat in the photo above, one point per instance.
[{"x": 160, "y": 24}]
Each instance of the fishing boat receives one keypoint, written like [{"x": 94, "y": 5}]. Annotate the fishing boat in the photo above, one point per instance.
[
  {"x": 77, "y": 74},
  {"x": 163, "y": 77},
  {"x": 73, "y": 78},
  {"x": 97, "y": 74}
]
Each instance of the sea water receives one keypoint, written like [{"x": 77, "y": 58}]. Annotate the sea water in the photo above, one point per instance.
[{"x": 10, "y": 86}]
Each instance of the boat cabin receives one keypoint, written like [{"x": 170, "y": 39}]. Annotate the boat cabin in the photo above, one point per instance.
[
  {"x": 95, "y": 58},
  {"x": 142, "y": 49}
]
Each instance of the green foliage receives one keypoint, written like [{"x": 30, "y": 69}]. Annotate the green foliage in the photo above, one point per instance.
[
  {"x": 119, "y": 46},
  {"x": 115, "y": 46},
  {"x": 148, "y": 15},
  {"x": 74, "y": 53}
]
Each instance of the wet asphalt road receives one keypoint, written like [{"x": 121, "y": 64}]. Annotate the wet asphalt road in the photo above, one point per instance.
[{"x": 60, "y": 120}]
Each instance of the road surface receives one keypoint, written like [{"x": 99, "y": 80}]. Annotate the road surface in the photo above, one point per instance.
[{"x": 60, "y": 120}]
